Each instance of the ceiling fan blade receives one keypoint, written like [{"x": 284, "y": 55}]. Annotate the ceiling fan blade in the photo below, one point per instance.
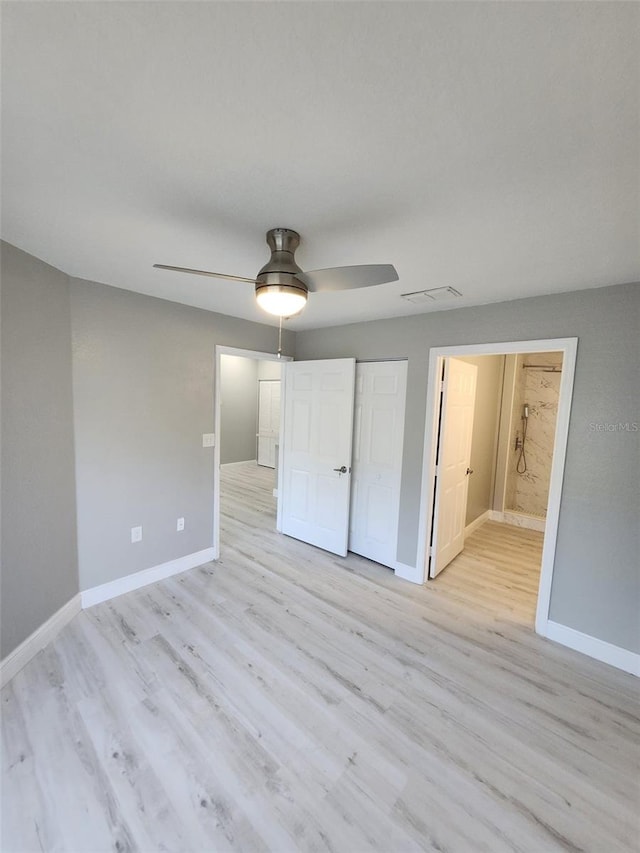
[
  {"x": 346, "y": 278},
  {"x": 204, "y": 272}
]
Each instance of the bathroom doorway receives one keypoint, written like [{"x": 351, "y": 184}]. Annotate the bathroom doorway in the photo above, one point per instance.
[{"x": 492, "y": 479}]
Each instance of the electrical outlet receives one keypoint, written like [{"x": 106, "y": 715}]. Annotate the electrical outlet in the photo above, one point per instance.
[
  {"x": 208, "y": 439},
  {"x": 180, "y": 524},
  {"x": 136, "y": 534}
]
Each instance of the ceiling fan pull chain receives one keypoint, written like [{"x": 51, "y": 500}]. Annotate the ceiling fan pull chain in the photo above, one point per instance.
[{"x": 280, "y": 338}]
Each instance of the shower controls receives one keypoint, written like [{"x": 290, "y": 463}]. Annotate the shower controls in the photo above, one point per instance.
[{"x": 521, "y": 465}]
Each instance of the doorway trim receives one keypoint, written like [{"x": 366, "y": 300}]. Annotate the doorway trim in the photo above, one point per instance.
[
  {"x": 568, "y": 347},
  {"x": 256, "y": 356}
]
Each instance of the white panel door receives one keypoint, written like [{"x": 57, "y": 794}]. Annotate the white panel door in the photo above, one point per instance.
[
  {"x": 268, "y": 421},
  {"x": 452, "y": 468},
  {"x": 378, "y": 433},
  {"x": 317, "y": 436}
]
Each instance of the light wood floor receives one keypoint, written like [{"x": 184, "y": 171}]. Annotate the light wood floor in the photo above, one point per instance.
[
  {"x": 286, "y": 700},
  {"x": 497, "y": 574}
]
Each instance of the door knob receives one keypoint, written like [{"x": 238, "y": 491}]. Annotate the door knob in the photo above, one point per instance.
[
  {"x": 342, "y": 470},
  {"x": 469, "y": 470}
]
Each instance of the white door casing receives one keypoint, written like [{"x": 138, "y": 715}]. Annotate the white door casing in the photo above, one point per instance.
[
  {"x": 378, "y": 437},
  {"x": 317, "y": 436},
  {"x": 268, "y": 421},
  {"x": 454, "y": 455}
]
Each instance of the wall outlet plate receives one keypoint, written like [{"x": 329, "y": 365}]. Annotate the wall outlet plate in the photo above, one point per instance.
[
  {"x": 136, "y": 534},
  {"x": 180, "y": 524},
  {"x": 208, "y": 439}
]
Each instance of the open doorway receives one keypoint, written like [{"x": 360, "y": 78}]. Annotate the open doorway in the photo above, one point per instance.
[
  {"x": 249, "y": 411},
  {"x": 497, "y": 427},
  {"x": 247, "y": 404}
]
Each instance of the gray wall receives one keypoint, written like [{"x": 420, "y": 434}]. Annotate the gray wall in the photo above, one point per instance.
[
  {"x": 596, "y": 579},
  {"x": 484, "y": 441},
  {"x": 143, "y": 395},
  {"x": 238, "y": 408},
  {"x": 39, "y": 560}
]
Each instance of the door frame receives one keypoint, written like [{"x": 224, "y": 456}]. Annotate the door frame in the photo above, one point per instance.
[
  {"x": 256, "y": 356},
  {"x": 568, "y": 347}
]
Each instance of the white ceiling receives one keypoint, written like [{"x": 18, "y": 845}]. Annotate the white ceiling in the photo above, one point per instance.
[{"x": 490, "y": 147}]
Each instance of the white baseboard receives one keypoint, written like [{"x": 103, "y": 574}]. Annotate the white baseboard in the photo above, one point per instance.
[
  {"x": 30, "y": 647},
  {"x": 595, "y": 648},
  {"x": 408, "y": 573},
  {"x": 97, "y": 594},
  {"x": 518, "y": 519},
  {"x": 477, "y": 522},
  {"x": 243, "y": 462}
]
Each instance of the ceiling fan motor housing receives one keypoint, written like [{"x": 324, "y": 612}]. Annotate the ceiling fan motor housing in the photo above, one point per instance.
[{"x": 281, "y": 270}]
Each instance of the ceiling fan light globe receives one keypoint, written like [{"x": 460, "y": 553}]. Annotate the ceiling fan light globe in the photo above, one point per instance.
[{"x": 281, "y": 299}]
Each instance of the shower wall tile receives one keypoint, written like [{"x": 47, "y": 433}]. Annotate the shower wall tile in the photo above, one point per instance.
[{"x": 529, "y": 492}]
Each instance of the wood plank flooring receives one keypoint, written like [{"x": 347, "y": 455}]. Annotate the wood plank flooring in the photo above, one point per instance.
[
  {"x": 286, "y": 700},
  {"x": 497, "y": 574}
]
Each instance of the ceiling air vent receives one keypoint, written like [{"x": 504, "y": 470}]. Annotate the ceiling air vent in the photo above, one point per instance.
[{"x": 436, "y": 294}]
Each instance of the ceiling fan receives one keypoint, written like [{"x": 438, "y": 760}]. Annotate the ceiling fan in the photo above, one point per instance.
[{"x": 282, "y": 288}]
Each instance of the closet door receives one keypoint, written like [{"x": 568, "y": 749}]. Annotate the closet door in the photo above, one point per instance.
[
  {"x": 377, "y": 459},
  {"x": 316, "y": 468}
]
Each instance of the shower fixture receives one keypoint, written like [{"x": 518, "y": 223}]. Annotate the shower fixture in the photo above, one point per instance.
[
  {"x": 521, "y": 464},
  {"x": 543, "y": 368}
]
